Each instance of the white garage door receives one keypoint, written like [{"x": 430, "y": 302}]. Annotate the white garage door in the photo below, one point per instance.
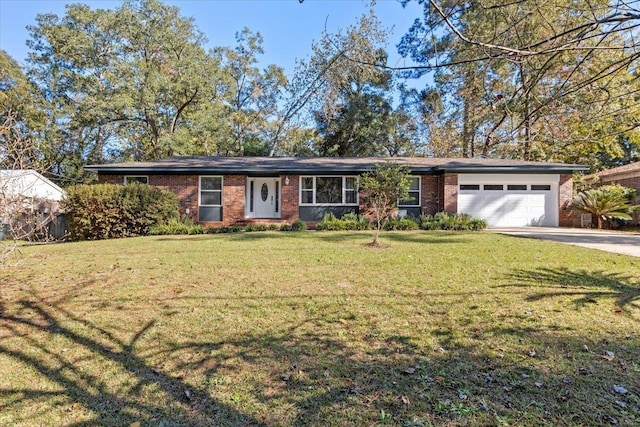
[{"x": 510, "y": 201}]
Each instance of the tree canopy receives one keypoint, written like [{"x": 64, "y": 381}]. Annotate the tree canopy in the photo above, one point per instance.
[{"x": 554, "y": 81}]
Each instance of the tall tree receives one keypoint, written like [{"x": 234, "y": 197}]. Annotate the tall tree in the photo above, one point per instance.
[
  {"x": 350, "y": 104},
  {"x": 527, "y": 75},
  {"x": 134, "y": 81},
  {"x": 21, "y": 119},
  {"x": 253, "y": 95}
]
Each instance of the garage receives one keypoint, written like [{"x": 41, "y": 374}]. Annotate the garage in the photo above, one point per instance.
[{"x": 510, "y": 200}]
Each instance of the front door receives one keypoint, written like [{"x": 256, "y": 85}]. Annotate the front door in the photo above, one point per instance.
[{"x": 263, "y": 198}]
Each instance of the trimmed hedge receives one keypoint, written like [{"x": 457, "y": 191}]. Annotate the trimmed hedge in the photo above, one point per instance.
[
  {"x": 445, "y": 221},
  {"x": 349, "y": 221},
  {"x": 108, "y": 211},
  {"x": 439, "y": 221}
]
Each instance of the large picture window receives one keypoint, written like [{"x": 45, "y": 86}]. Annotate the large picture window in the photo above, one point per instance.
[
  {"x": 328, "y": 190},
  {"x": 414, "y": 193}
]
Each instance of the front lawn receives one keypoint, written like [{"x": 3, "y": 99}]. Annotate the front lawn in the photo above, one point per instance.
[{"x": 281, "y": 329}]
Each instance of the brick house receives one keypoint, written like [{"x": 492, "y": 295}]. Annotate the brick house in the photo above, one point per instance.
[
  {"x": 238, "y": 190},
  {"x": 627, "y": 176}
]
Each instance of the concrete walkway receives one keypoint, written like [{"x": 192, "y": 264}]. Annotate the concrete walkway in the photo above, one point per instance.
[{"x": 610, "y": 241}]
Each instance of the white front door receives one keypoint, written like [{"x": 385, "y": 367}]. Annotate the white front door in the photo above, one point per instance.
[{"x": 263, "y": 198}]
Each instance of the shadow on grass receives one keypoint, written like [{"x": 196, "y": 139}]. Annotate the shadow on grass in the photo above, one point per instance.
[
  {"x": 586, "y": 286},
  {"x": 427, "y": 237},
  {"x": 314, "y": 372},
  {"x": 189, "y": 405}
]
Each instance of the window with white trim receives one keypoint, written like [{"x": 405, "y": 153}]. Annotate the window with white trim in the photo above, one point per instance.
[
  {"x": 414, "y": 193},
  {"x": 328, "y": 190},
  {"x": 210, "y": 191},
  {"x": 142, "y": 179}
]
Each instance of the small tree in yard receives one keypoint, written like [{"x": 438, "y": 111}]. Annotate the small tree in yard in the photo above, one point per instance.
[
  {"x": 382, "y": 188},
  {"x": 605, "y": 203}
]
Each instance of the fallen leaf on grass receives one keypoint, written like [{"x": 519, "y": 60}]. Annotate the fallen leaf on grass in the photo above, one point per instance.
[
  {"x": 609, "y": 355},
  {"x": 135, "y": 424},
  {"x": 621, "y": 404},
  {"x": 405, "y": 400},
  {"x": 409, "y": 370},
  {"x": 619, "y": 389}
]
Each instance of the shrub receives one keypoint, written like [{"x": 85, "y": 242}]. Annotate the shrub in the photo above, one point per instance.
[
  {"x": 445, "y": 221},
  {"x": 401, "y": 224},
  {"x": 176, "y": 227},
  {"x": 298, "y": 225},
  {"x": 256, "y": 227},
  {"x": 605, "y": 203},
  {"x": 330, "y": 223},
  {"x": 353, "y": 221},
  {"x": 106, "y": 211}
]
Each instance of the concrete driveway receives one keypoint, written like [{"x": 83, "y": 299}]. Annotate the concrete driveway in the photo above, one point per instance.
[{"x": 610, "y": 241}]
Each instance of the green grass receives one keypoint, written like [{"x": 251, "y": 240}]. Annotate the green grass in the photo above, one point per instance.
[{"x": 279, "y": 329}]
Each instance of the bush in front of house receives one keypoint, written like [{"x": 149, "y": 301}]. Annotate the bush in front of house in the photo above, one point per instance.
[
  {"x": 401, "y": 224},
  {"x": 175, "y": 226},
  {"x": 457, "y": 222},
  {"x": 296, "y": 225},
  {"x": 349, "y": 221},
  {"x": 108, "y": 211}
]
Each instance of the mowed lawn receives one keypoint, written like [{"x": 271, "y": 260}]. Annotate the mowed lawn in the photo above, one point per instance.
[{"x": 285, "y": 329}]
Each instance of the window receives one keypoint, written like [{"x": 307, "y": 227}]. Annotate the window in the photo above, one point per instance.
[
  {"x": 351, "y": 190},
  {"x": 516, "y": 187},
  {"x": 328, "y": 190},
  {"x": 136, "y": 178},
  {"x": 306, "y": 196},
  {"x": 210, "y": 191},
  {"x": 414, "y": 193},
  {"x": 540, "y": 188},
  {"x": 493, "y": 187},
  {"x": 469, "y": 187}
]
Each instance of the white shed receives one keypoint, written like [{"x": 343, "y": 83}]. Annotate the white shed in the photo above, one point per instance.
[{"x": 30, "y": 205}]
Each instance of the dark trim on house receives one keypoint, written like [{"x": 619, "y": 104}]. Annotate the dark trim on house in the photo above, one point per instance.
[{"x": 276, "y": 166}]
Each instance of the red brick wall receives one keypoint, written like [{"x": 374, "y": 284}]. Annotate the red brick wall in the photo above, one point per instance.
[
  {"x": 184, "y": 186},
  {"x": 430, "y": 195},
  {"x": 233, "y": 201},
  {"x": 289, "y": 199},
  {"x": 565, "y": 195},
  {"x": 450, "y": 193}
]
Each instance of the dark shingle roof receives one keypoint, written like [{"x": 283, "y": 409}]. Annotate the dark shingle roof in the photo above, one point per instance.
[{"x": 327, "y": 165}]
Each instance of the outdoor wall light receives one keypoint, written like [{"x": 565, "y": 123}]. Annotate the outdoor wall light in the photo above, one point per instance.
[
  {"x": 187, "y": 211},
  {"x": 286, "y": 180}
]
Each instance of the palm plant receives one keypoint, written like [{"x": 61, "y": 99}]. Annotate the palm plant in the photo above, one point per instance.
[{"x": 603, "y": 204}]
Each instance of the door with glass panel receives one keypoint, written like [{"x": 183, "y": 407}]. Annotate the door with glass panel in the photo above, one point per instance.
[{"x": 263, "y": 198}]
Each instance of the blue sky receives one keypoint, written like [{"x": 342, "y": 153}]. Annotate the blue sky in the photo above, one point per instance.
[{"x": 287, "y": 26}]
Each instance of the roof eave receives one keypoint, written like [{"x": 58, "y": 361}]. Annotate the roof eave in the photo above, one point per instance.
[{"x": 560, "y": 169}]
